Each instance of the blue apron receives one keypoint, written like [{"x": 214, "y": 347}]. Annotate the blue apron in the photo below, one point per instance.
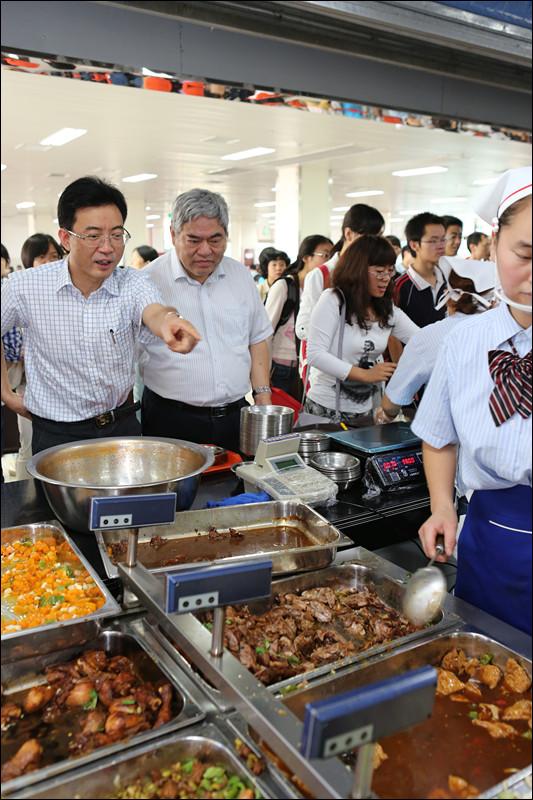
[{"x": 494, "y": 555}]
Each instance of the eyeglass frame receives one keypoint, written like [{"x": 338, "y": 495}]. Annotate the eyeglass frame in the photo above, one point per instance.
[
  {"x": 383, "y": 271},
  {"x": 322, "y": 255},
  {"x": 101, "y": 238},
  {"x": 433, "y": 242}
]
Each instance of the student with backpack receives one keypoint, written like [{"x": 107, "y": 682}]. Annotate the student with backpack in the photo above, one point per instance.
[{"x": 282, "y": 305}]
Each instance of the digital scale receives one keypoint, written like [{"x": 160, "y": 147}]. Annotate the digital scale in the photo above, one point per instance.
[
  {"x": 279, "y": 470},
  {"x": 398, "y": 469},
  {"x": 392, "y": 453}
]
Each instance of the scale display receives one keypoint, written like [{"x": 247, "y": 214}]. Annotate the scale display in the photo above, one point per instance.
[
  {"x": 396, "y": 469},
  {"x": 283, "y": 464},
  {"x": 279, "y": 470}
]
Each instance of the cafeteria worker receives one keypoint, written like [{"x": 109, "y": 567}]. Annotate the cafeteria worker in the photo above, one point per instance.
[{"x": 476, "y": 416}]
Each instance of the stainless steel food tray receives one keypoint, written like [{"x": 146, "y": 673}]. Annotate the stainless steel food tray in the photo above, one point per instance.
[
  {"x": 47, "y": 638},
  {"x": 407, "y": 658},
  {"x": 124, "y": 638},
  {"x": 247, "y": 518},
  {"x": 354, "y": 574},
  {"x": 204, "y": 740}
]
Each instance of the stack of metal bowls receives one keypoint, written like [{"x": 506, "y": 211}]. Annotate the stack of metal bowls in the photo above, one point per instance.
[
  {"x": 342, "y": 468},
  {"x": 313, "y": 442},
  {"x": 261, "y": 422}
]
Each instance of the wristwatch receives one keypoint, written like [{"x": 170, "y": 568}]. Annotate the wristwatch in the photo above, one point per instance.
[{"x": 261, "y": 390}]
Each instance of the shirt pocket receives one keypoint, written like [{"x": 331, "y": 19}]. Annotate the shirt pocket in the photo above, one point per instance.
[
  {"x": 115, "y": 347},
  {"x": 233, "y": 327}
]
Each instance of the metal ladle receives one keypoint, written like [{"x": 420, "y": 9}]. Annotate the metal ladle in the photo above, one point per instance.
[{"x": 425, "y": 591}]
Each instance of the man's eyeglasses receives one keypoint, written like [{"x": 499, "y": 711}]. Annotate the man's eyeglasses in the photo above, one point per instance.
[
  {"x": 386, "y": 272},
  {"x": 434, "y": 242},
  {"x": 453, "y": 237},
  {"x": 116, "y": 238}
]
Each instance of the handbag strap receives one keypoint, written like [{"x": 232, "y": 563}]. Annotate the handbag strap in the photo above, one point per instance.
[{"x": 342, "y": 322}]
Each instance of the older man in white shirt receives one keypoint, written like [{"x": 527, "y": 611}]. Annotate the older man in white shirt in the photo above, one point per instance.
[{"x": 200, "y": 399}]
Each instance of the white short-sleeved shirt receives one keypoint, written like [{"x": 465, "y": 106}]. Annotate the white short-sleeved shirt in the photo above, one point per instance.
[
  {"x": 229, "y": 315},
  {"x": 418, "y": 359},
  {"x": 282, "y": 345},
  {"x": 75, "y": 367},
  {"x": 360, "y": 348},
  {"x": 312, "y": 289},
  {"x": 455, "y": 406}
]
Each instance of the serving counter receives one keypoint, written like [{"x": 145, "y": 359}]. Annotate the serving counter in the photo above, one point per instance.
[{"x": 231, "y": 713}]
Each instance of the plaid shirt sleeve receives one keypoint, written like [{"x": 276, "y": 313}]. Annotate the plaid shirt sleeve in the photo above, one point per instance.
[{"x": 12, "y": 342}]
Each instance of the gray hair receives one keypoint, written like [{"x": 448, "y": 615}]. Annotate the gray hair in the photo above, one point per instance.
[{"x": 199, "y": 203}]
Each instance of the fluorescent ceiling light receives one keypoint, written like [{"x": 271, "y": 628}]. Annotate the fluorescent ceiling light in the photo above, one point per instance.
[
  {"x": 25, "y": 204},
  {"x": 3, "y": 167},
  {"x": 265, "y": 205},
  {"x": 63, "y": 136},
  {"x": 341, "y": 208},
  {"x": 148, "y": 208},
  {"x": 395, "y": 219},
  {"x": 252, "y": 153},
  {"x": 142, "y": 176},
  {"x": 446, "y": 200},
  {"x": 55, "y": 221},
  {"x": 484, "y": 181},
  {"x": 407, "y": 173},
  {"x": 153, "y": 216},
  {"x": 408, "y": 213},
  {"x": 369, "y": 193},
  {"x": 149, "y": 224}
]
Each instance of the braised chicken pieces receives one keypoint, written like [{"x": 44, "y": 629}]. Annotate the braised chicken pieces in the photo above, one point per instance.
[
  {"x": 87, "y": 703},
  {"x": 478, "y": 735}
]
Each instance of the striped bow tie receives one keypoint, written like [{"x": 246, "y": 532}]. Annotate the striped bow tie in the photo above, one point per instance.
[{"x": 512, "y": 385}]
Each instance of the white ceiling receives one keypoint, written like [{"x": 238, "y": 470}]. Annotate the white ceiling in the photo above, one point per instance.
[{"x": 182, "y": 138}]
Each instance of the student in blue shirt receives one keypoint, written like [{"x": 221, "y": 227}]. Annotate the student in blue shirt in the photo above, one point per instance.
[
  {"x": 479, "y": 398},
  {"x": 469, "y": 290}
]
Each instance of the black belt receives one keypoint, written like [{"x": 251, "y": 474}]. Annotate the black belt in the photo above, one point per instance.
[
  {"x": 208, "y": 411},
  {"x": 101, "y": 420}
]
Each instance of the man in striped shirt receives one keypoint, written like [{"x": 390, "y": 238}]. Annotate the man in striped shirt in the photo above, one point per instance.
[
  {"x": 199, "y": 398},
  {"x": 82, "y": 317}
]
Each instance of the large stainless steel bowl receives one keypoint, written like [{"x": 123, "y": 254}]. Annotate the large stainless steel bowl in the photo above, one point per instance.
[{"x": 72, "y": 474}]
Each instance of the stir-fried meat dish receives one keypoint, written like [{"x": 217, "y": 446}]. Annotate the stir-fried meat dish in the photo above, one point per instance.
[
  {"x": 192, "y": 777},
  {"x": 87, "y": 703},
  {"x": 303, "y": 631}
]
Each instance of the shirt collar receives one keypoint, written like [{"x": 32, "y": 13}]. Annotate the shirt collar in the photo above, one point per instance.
[
  {"x": 504, "y": 326},
  {"x": 421, "y": 283},
  {"x": 63, "y": 279},
  {"x": 179, "y": 271}
]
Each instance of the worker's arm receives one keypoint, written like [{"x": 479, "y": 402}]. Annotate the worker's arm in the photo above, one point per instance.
[{"x": 440, "y": 468}]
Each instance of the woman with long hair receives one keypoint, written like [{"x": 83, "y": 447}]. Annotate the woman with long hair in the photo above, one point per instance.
[
  {"x": 359, "y": 220},
  {"x": 349, "y": 332},
  {"x": 282, "y": 304}
]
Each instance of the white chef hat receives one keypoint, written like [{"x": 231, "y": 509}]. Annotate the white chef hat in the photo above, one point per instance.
[
  {"x": 512, "y": 186},
  {"x": 481, "y": 273}
]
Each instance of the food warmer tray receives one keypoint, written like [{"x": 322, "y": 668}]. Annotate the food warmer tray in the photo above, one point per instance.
[
  {"x": 118, "y": 638},
  {"x": 205, "y": 739},
  {"x": 260, "y": 522},
  {"x": 410, "y": 657},
  {"x": 48, "y": 638},
  {"x": 352, "y": 574}
]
